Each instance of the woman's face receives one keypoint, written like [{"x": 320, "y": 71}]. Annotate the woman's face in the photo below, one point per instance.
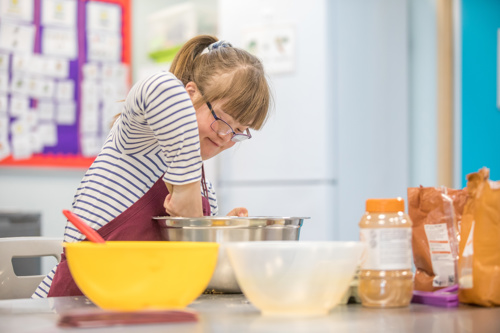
[{"x": 212, "y": 143}]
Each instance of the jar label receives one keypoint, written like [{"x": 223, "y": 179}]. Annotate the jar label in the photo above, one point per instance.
[{"x": 386, "y": 248}]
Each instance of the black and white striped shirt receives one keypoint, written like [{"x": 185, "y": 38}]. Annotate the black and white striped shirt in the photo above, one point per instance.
[{"x": 156, "y": 134}]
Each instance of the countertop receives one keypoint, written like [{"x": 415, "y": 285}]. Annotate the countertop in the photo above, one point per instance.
[{"x": 233, "y": 313}]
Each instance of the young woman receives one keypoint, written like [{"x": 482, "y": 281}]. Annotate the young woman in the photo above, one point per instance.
[{"x": 152, "y": 161}]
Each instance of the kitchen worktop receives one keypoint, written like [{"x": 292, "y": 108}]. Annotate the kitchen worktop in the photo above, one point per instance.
[{"x": 233, "y": 313}]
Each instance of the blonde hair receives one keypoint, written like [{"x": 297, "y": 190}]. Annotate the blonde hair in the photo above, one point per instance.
[{"x": 227, "y": 74}]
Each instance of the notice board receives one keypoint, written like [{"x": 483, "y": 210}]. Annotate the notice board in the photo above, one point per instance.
[{"x": 64, "y": 68}]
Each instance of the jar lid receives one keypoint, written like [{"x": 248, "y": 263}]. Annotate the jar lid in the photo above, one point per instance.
[{"x": 385, "y": 205}]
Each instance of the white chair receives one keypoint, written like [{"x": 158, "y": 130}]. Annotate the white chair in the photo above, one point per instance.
[{"x": 13, "y": 286}]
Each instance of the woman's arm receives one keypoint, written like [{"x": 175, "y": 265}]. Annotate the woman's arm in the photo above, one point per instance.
[
  {"x": 184, "y": 200},
  {"x": 169, "y": 112}
]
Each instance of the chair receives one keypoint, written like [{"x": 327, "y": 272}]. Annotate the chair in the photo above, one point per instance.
[{"x": 13, "y": 286}]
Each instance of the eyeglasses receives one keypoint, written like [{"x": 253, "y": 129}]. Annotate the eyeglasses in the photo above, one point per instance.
[{"x": 220, "y": 127}]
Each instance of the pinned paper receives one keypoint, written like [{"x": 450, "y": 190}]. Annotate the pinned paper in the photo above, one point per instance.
[
  {"x": 19, "y": 127},
  {"x": 48, "y": 133},
  {"x": 108, "y": 71},
  {"x": 103, "y": 46},
  {"x": 61, "y": 13},
  {"x": 36, "y": 141},
  {"x": 31, "y": 119},
  {"x": 4, "y": 61},
  {"x": 103, "y": 17},
  {"x": 37, "y": 64},
  {"x": 4, "y": 148},
  {"x": 21, "y": 147},
  {"x": 33, "y": 86},
  {"x": 4, "y": 142},
  {"x": 122, "y": 71},
  {"x": 91, "y": 90},
  {"x": 17, "y": 37},
  {"x": 59, "y": 42},
  {"x": 17, "y": 10},
  {"x": 4, "y": 105},
  {"x": 109, "y": 92},
  {"x": 65, "y": 90},
  {"x": 116, "y": 74},
  {"x": 57, "y": 68},
  {"x": 4, "y": 126},
  {"x": 66, "y": 113},
  {"x": 19, "y": 105},
  {"x": 46, "y": 110},
  {"x": 109, "y": 111},
  {"x": 47, "y": 88},
  {"x": 39, "y": 87},
  {"x": 274, "y": 45},
  {"x": 91, "y": 145},
  {"x": 19, "y": 84},
  {"x": 91, "y": 71},
  {"x": 21, "y": 63},
  {"x": 4, "y": 82},
  {"x": 89, "y": 118}
]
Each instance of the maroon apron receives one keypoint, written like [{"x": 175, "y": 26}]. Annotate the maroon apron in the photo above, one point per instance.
[{"x": 134, "y": 224}]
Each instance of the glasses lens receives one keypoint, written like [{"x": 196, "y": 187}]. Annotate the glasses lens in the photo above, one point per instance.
[
  {"x": 221, "y": 127},
  {"x": 239, "y": 137}
]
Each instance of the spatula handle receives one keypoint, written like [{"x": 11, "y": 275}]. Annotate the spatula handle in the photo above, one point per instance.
[{"x": 91, "y": 234}]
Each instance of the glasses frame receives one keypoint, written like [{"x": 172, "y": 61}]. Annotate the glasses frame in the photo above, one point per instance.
[{"x": 236, "y": 137}]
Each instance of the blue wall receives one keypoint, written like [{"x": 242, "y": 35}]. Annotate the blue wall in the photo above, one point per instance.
[{"x": 480, "y": 115}]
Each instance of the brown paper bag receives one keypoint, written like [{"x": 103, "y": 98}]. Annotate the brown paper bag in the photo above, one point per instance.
[
  {"x": 479, "y": 248},
  {"x": 436, "y": 214}
]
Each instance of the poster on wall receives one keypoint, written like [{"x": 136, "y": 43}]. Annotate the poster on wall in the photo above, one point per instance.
[
  {"x": 64, "y": 67},
  {"x": 274, "y": 45}
]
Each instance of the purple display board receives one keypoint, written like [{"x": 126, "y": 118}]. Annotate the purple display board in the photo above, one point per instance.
[{"x": 57, "y": 128}]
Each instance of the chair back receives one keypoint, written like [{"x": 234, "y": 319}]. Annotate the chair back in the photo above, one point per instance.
[{"x": 13, "y": 286}]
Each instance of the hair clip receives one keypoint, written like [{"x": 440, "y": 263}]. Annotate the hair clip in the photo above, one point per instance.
[{"x": 218, "y": 44}]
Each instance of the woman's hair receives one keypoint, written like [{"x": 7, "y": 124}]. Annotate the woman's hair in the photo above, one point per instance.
[{"x": 228, "y": 74}]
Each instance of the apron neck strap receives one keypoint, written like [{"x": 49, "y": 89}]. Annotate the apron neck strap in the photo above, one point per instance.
[{"x": 203, "y": 182}]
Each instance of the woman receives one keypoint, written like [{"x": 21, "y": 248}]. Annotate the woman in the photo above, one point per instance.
[{"x": 151, "y": 163}]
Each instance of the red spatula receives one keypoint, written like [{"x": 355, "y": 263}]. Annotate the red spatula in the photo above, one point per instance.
[{"x": 91, "y": 234}]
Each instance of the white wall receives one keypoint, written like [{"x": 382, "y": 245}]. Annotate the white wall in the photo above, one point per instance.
[
  {"x": 423, "y": 92},
  {"x": 373, "y": 106},
  {"x": 341, "y": 128},
  {"x": 47, "y": 191},
  {"x": 142, "y": 65},
  {"x": 368, "y": 43},
  {"x": 287, "y": 167}
]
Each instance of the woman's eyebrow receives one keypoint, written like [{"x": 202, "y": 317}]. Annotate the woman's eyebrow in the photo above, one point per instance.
[{"x": 226, "y": 115}]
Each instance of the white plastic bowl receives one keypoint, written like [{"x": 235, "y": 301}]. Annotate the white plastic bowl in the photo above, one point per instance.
[{"x": 294, "y": 278}]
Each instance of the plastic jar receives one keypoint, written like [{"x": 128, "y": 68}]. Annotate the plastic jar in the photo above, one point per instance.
[{"x": 386, "y": 278}]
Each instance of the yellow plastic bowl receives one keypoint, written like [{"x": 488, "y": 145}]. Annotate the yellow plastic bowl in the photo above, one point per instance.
[{"x": 135, "y": 275}]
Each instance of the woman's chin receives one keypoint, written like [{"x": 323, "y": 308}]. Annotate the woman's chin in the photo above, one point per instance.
[{"x": 208, "y": 155}]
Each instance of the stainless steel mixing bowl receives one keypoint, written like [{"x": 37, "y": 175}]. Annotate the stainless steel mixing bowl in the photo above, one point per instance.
[{"x": 222, "y": 229}]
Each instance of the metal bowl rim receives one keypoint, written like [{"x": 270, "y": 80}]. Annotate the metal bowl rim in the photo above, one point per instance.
[
  {"x": 225, "y": 218},
  {"x": 230, "y": 222}
]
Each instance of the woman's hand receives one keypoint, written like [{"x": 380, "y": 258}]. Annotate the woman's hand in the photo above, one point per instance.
[
  {"x": 184, "y": 200},
  {"x": 239, "y": 211}
]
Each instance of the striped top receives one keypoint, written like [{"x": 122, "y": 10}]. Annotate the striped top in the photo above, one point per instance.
[{"x": 156, "y": 134}]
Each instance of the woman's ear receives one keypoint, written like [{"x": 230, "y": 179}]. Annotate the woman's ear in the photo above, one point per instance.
[{"x": 192, "y": 89}]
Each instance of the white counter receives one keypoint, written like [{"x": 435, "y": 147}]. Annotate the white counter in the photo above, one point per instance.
[{"x": 234, "y": 314}]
